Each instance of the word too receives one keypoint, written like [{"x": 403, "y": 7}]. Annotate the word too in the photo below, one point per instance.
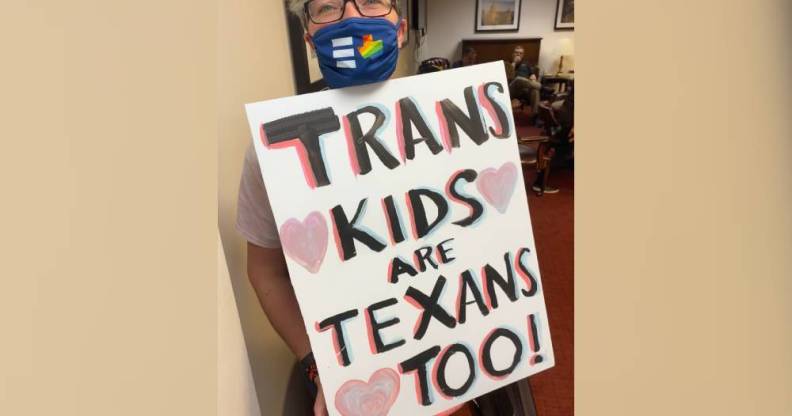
[{"x": 439, "y": 380}]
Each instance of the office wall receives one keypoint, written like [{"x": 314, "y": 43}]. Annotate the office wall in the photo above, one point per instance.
[
  {"x": 450, "y": 21},
  {"x": 236, "y": 390},
  {"x": 252, "y": 37},
  {"x": 407, "y": 58}
]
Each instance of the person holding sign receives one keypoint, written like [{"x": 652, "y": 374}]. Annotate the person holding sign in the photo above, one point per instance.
[{"x": 330, "y": 28}]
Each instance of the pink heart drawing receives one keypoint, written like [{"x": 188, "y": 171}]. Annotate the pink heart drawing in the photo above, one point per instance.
[
  {"x": 375, "y": 398},
  {"x": 305, "y": 242},
  {"x": 497, "y": 185}
]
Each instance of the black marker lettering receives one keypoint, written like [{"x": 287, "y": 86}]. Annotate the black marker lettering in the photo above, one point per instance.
[
  {"x": 503, "y": 119},
  {"x": 421, "y": 222},
  {"x": 508, "y": 285},
  {"x": 486, "y": 352},
  {"x": 430, "y": 306},
  {"x": 360, "y": 140},
  {"x": 418, "y": 363},
  {"x": 447, "y": 390},
  {"x": 476, "y": 208},
  {"x": 399, "y": 267},
  {"x": 411, "y": 116},
  {"x": 305, "y": 127},
  {"x": 526, "y": 275},
  {"x": 347, "y": 232},
  {"x": 423, "y": 255},
  {"x": 336, "y": 322},
  {"x": 394, "y": 222},
  {"x": 443, "y": 251},
  {"x": 376, "y": 326},
  {"x": 473, "y": 125},
  {"x": 468, "y": 284}
]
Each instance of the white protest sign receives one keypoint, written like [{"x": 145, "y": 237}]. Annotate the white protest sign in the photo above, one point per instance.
[{"x": 403, "y": 215}]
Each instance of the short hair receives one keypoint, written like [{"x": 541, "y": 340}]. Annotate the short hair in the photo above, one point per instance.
[
  {"x": 468, "y": 50},
  {"x": 298, "y": 8}
]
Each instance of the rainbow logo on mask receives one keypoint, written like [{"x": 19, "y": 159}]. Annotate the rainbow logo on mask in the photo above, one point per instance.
[{"x": 370, "y": 47}]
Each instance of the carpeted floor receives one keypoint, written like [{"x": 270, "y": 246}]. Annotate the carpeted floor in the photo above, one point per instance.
[{"x": 552, "y": 216}]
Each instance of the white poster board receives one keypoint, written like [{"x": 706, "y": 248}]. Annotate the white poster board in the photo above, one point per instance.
[{"x": 403, "y": 215}]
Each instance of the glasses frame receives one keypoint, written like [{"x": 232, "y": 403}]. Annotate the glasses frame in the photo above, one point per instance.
[{"x": 343, "y": 11}]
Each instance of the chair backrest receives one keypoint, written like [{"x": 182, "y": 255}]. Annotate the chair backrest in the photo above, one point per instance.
[
  {"x": 548, "y": 121},
  {"x": 539, "y": 73},
  {"x": 433, "y": 65}
]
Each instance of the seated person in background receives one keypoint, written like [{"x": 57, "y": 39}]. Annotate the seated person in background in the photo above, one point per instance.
[
  {"x": 468, "y": 58},
  {"x": 561, "y": 137},
  {"x": 524, "y": 79}
]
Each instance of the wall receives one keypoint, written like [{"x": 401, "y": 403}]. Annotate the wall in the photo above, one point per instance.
[
  {"x": 107, "y": 276},
  {"x": 407, "y": 58},
  {"x": 450, "y": 21},
  {"x": 236, "y": 390},
  {"x": 252, "y": 37}
]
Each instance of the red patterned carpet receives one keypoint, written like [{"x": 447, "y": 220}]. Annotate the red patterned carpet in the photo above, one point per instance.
[{"x": 553, "y": 225}]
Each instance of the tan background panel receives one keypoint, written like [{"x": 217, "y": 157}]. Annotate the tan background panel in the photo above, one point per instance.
[
  {"x": 236, "y": 390},
  {"x": 253, "y": 65},
  {"x": 108, "y": 177},
  {"x": 684, "y": 188}
]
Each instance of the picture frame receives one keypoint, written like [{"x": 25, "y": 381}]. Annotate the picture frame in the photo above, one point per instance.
[
  {"x": 307, "y": 76},
  {"x": 565, "y": 15},
  {"x": 497, "y": 16},
  {"x": 406, "y": 13}
]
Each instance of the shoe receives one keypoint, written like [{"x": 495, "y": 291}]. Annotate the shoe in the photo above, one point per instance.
[{"x": 547, "y": 190}]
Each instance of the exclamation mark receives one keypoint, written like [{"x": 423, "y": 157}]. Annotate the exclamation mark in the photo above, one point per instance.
[{"x": 533, "y": 339}]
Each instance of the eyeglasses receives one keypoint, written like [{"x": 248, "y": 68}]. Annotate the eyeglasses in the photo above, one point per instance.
[{"x": 327, "y": 11}]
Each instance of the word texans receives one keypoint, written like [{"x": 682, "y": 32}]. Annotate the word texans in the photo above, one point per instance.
[{"x": 482, "y": 294}]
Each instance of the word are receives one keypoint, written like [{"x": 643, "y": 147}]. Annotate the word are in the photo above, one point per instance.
[{"x": 421, "y": 257}]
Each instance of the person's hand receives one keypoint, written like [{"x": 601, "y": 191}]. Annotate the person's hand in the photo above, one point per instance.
[{"x": 320, "y": 407}]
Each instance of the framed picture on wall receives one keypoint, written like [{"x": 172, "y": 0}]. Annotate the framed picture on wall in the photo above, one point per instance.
[
  {"x": 305, "y": 66},
  {"x": 498, "y": 15},
  {"x": 565, "y": 15}
]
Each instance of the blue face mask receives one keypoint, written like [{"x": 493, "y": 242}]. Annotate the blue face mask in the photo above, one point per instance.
[{"x": 357, "y": 51}]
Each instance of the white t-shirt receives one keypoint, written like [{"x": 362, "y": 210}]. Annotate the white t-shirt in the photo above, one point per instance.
[{"x": 254, "y": 213}]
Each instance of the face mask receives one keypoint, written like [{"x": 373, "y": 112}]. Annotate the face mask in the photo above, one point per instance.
[{"x": 357, "y": 51}]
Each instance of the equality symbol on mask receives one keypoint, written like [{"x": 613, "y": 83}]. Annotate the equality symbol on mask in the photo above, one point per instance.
[{"x": 342, "y": 48}]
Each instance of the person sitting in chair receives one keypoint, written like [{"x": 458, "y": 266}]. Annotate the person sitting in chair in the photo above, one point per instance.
[
  {"x": 468, "y": 58},
  {"x": 524, "y": 79},
  {"x": 562, "y": 135}
]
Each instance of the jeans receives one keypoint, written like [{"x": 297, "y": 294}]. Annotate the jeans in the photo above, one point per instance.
[{"x": 524, "y": 88}]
